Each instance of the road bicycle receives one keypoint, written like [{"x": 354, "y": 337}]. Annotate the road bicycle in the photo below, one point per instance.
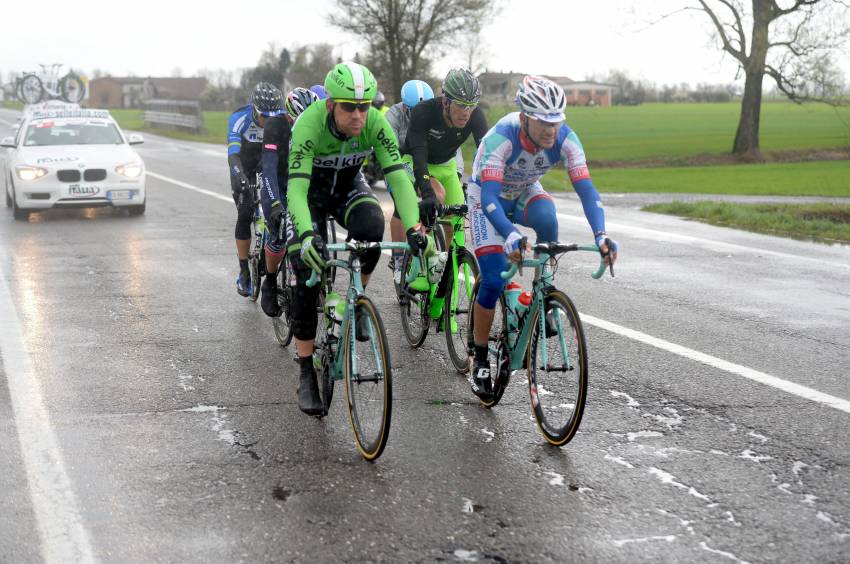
[
  {"x": 32, "y": 88},
  {"x": 547, "y": 339},
  {"x": 445, "y": 299},
  {"x": 362, "y": 361}
]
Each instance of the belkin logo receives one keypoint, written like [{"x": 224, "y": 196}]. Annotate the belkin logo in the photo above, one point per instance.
[{"x": 340, "y": 161}]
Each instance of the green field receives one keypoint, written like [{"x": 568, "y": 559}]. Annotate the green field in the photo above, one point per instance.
[
  {"x": 821, "y": 178},
  {"x": 215, "y": 124}
]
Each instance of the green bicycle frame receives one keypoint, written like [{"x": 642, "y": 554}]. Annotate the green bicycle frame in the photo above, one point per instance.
[
  {"x": 543, "y": 278},
  {"x": 458, "y": 243},
  {"x": 355, "y": 289}
]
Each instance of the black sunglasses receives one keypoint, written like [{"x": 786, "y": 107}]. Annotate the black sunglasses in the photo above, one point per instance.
[{"x": 351, "y": 106}]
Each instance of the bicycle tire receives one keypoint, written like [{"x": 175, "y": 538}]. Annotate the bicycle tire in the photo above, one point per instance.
[
  {"x": 557, "y": 418},
  {"x": 71, "y": 83},
  {"x": 498, "y": 351},
  {"x": 368, "y": 393},
  {"x": 325, "y": 350},
  {"x": 283, "y": 323},
  {"x": 415, "y": 320},
  {"x": 462, "y": 283},
  {"x": 31, "y": 89}
]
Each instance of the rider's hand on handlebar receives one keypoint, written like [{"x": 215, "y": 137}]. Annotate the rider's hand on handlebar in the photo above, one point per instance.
[
  {"x": 428, "y": 206},
  {"x": 418, "y": 239},
  {"x": 515, "y": 245},
  {"x": 608, "y": 249},
  {"x": 313, "y": 251}
]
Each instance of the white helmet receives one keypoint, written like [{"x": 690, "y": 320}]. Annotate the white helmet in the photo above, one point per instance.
[{"x": 541, "y": 99}]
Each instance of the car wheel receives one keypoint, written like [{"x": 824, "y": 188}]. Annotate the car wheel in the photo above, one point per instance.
[
  {"x": 8, "y": 197},
  {"x": 137, "y": 210},
  {"x": 19, "y": 213}
]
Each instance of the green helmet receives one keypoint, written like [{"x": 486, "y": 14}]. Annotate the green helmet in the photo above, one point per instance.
[
  {"x": 462, "y": 86},
  {"x": 350, "y": 81}
]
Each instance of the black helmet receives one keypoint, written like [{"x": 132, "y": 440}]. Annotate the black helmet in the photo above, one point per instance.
[
  {"x": 298, "y": 100},
  {"x": 461, "y": 86},
  {"x": 267, "y": 99},
  {"x": 378, "y": 100}
]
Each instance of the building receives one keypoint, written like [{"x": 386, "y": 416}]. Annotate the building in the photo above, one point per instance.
[
  {"x": 131, "y": 92},
  {"x": 499, "y": 89}
]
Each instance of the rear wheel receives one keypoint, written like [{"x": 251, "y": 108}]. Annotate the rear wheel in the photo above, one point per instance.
[
  {"x": 283, "y": 323},
  {"x": 415, "y": 320},
  {"x": 557, "y": 382},
  {"x": 19, "y": 213},
  {"x": 31, "y": 89},
  {"x": 137, "y": 209},
  {"x": 457, "y": 309},
  {"x": 323, "y": 357},
  {"x": 71, "y": 88},
  {"x": 368, "y": 381}
]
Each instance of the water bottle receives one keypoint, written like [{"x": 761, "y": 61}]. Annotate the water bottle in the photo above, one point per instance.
[
  {"x": 512, "y": 292},
  {"x": 335, "y": 312},
  {"x": 436, "y": 264},
  {"x": 523, "y": 302}
]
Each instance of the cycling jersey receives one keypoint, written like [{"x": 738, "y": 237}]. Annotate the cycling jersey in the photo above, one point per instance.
[
  {"x": 275, "y": 157},
  {"x": 244, "y": 138},
  {"x": 324, "y": 158},
  {"x": 430, "y": 140},
  {"x": 507, "y": 164}
]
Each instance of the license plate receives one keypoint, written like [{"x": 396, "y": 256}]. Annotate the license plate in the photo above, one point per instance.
[{"x": 120, "y": 194}]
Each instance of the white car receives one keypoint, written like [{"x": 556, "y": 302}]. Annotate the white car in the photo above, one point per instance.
[{"x": 71, "y": 158}]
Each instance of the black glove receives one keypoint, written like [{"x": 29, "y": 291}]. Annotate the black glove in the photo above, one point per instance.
[
  {"x": 275, "y": 218},
  {"x": 417, "y": 240},
  {"x": 429, "y": 204}
]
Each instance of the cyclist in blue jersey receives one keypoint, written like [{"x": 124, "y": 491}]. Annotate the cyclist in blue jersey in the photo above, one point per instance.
[
  {"x": 244, "y": 143},
  {"x": 505, "y": 190},
  {"x": 277, "y": 134},
  {"x": 319, "y": 91}
]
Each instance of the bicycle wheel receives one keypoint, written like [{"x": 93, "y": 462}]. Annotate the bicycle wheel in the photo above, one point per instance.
[
  {"x": 71, "y": 88},
  {"x": 558, "y": 388},
  {"x": 457, "y": 309},
  {"x": 415, "y": 320},
  {"x": 499, "y": 355},
  {"x": 31, "y": 89},
  {"x": 283, "y": 323},
  {"x": 323, "y": 357},
  {"x": 368, "y": 381}
]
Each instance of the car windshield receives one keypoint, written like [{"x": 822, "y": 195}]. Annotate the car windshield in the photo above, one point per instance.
[{"x": 48, "y": 132}]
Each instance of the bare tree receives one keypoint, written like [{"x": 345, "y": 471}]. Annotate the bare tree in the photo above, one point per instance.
[
  {"x": 404, "y": 32},
  {"x": 792, "y": 45}
]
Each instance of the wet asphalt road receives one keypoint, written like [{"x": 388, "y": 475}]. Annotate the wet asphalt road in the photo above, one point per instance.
[{"x": 174, "y": 409}]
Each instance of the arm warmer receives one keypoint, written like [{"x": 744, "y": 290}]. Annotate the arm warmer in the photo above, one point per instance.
[
  {"x": 493, "y": 209},
  {"x": 592, "y": 204}
]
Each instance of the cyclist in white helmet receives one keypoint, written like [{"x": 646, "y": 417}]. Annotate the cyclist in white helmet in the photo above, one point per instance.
[{"x": 505, "y": 190}]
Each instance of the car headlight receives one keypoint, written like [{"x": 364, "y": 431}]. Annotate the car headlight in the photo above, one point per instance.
[
  {"x": 132, "y": 170},
  {"x": 30, "y": 172}
]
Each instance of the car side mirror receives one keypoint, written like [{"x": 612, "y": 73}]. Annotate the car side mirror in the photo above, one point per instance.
[
  {"x": 135, "y": 139},
  {"x": 8, "y": 142}
]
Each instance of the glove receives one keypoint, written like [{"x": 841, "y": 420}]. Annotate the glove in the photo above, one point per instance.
[
  {"x": 275, "y": 218},
  {"x": 418, "y": 241},
  {"x": 513, "y": 242},
  {"x": 312, "y": 251},
  {"x": 429, "y": 204},
  {"x": 603, "y": 239}
]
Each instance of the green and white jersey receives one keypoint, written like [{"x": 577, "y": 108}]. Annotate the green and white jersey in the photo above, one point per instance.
[{"x": 321, "y": 158}]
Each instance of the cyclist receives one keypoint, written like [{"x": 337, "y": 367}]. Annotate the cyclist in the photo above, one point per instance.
[
  {"x": 319, "y": 90},
  {"x": 329, "y": 143},
  {"x": 438, "y": 127},
  {"x": 378, "y": 102},
  {"x": 244, "y": 142},
  {"x": 275, "y": 160},
  {"x": 505, "y": 189}
]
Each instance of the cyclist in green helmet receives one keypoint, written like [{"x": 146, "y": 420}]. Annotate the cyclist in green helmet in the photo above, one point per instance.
[{"x": 330, "y": 141}]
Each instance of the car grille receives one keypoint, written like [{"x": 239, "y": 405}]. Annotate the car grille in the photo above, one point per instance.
[
  {"x": 69, "y": 175},
  {"x": 94, "y": 174}
]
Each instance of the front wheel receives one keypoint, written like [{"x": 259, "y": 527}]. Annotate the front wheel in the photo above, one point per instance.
[
  {"x": 557, "y": 369},
  {"x": 31, "y": 90},
  {"x": 368, "y": 380},
  {"x": 71, "y": 88},
  {"x": 457, "y": 309},
  {"x": 499, "y": 354}
]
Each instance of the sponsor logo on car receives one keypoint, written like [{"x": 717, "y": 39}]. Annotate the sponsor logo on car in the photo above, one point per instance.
[{"x": 48, "y": 160}]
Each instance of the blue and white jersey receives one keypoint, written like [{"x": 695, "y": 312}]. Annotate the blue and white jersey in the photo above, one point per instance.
[
  {"x": 244, "y": 137},
  {"x": 506, "y": 157}
]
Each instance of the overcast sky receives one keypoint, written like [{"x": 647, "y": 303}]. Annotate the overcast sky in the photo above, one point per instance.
[{"x": 557, "y": 37}]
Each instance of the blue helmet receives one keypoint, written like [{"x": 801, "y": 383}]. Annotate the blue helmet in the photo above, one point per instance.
[
  {"x": 319, "y": 90},
  {"x": 415, "y": 91}
]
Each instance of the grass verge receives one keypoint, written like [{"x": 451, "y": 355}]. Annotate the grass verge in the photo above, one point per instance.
[{"x": 825, "y": 223}]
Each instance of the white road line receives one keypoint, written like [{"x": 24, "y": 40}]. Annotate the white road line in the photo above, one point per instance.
[
  {"x": 755, "y": 375},
  {"x": 761, "y": 377},
  {"x": 60, "y": 525},
  {"x": 718, "y": 246},
  {"x": 190, "y": 187},
  {"x": 9, "y": 123}
]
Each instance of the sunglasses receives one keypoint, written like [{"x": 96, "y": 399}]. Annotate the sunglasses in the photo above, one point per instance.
[
  {"x": 349, "y": 107},
  {"x": 465, "y": 105}
]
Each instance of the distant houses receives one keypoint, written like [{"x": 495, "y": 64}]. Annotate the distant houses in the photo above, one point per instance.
[
  {"x": 499, "y": 88},
  {"x": 131, "y": 92}
]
